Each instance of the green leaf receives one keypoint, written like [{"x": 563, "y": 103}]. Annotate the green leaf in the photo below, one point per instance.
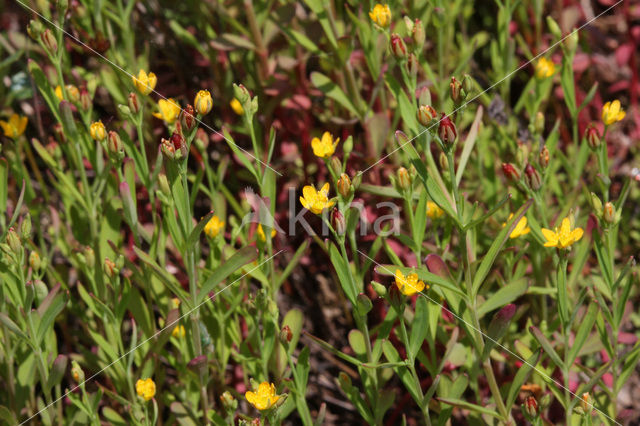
[
  {"x": 494, "y": 250},
  {"x": 357, "y": 342},
  {"x": 333, "y": 91},
  {"x": 418, "y": 327},
  {"x": 164, "y": 276},
  {"x": 113, "y": 417},
  {"x": 194, "y": 236},
  {"x": 583, "y": 331},
  {"x": 546, "y": 345},
  {"x": 49, "y": 316},
  {"x": 521, "y": 376},
  {"x": 4, "y": 319},
  {"x": 231, "y": 265},
  {"x": 469, "y": 143},
  {"x": 4, "y": 176},
  {"x": 506, "y": 294},
  {"x": 469, "y": 406},
  {"x": 344, "y": 275},
  {"x": 402, "y": 371}
]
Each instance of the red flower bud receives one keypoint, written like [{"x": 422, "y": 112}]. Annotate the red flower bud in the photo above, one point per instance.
[
  {"x": 188, "y": 118},
  {"x": 531, "y": 406},
  {"x": 426, "y": 114},
  {"x": 532, "y": 177},
  {"x": 398, "y": 48},
  {"x": 338, "y": 221},
  {"x": 134, "y": 105},
  {"x": 510, "y": 172},
  {"x": 593, "y": 136},
  {"x": 447, "y": 130},
  {"x": 456, "y": 88}
]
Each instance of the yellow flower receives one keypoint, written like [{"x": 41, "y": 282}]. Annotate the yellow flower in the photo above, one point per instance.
[
  {"x": 563, "y": 237},
  {"x": 264, "y": 398},
  {"x": 410, "y": 284},
  {"x": 203, "y": 102},
  {"x": 611, "y": 112},
  {"x": 236, "y": 106},
  {"x": 169, "y": 110},
  {"x": 15, "y": 126},
  {"x": 325, "y": 147},
  {"x": 178, "y": 331},
  {"x": 381, "y": 15},
  {"x": 97, "y": 131},
  {"x": 72, "y": 91},
  {"x": 434, "y": 211},
  {"x": 175, "y": 302},
  {"x": 315, "y": 200},
  {"x": 146, "y": 388},
  {"x": 520, "y": 229},
  {"x": 545, "y": 68},
  {"x": 214, "y": 226},
  {"x": 261, "y": 235},
  {"x": 145, "y": 83}
]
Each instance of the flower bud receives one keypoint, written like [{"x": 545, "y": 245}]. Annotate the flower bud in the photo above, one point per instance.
[
  {"x": 134, "y": 104},
  {"x": 13, "y": 239},
  {"x": 510, "y": 172},
  {"x": 593, "y": 136},
  {"x": 531, "y": 407},
  {"x": 25, "y": 227},
  {"x": 609, "y": 213},
  {"x": 456, "y": 91},
  {"x": 380, "y": 290},
  {"x": 90, "y": 257},
  {"x": 114, "y": 143},
  {"x": 76, "y": 372},
  {"x": 444, "y": 162},
  {"x": 188, "y": 119},
  {"x": 85, "y": 99},
  {"x": 543, "y": 157},
  {"x": 34, "y": 261},
  {"x": 571, "y": 41},
  {"x": 35, "y": 29},
  {"x": 597, "y": 204},
  {"x": 49, "y": 41},
  {"x": 110, "y": 268},
  {"x": 426, "y": 114},
  {"x": 228, "y": 401},
  {"x": 586, "y": 403},
  {"x": 532, "y": 177},
  {"x": 538, "y": 123},
  {"x": 286, "y": 335},
  {"x": 398, "y": 48},
  {"x": 404, "y": 180},
  {"x": 412, "y": 64},
  {"x": 203, "y": 103},
  {"x": 163, "y": 184},
  {"x": 522, "y": 154},
  {"x": 336, "y": 165},
  {"x": 98, "y": 131},
  {"x": 554, "y": 28},
  {"x": 241, "y": 94},
  {"x": 417, "y": 34},
  {"x": 447, "y": 131},
  {"x": 73, "y": 92},
  {"x": 467, "y": 84},
  {"x": 344, "y": 185},
  {"x": 338, "y": 222}
]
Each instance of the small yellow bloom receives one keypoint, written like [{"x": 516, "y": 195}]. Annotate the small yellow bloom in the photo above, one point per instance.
[
  {"x": 214, "y": 226},
  {"x": 178, "y": 331},
  {"x": 434, "y": 211},
  {"x": 563, "y": 237},
  {"x": 381, "y": 15},
  {"x": 203, "y": 102},
  {"x": 236, "y": 106},
  {"x": 261, "y": 235},
  {"x": 410, "y": 284},
  {"x": 175, "y": 302},
  {"x": 545, "y": 68},
  {"x": 264, "y": 398},
  {"x": 98, "y": 131},
  {"x": 520, "y": 229},
  {"x": 612, "y": 112},
  {"x": 145, "y": 83},
  {"x": 315, "y": 200},
  {"x": 15, "y": 126},
  {"x": 146, "y": 388},
  {"x": 169, "y": 110},
  {"x": 72, "y": 91},
  {"x": 325, "y": 147}
]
